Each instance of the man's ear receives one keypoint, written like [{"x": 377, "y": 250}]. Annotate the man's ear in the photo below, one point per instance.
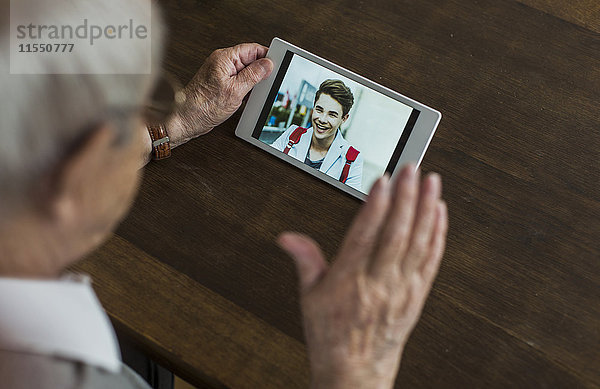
[
  {"x": 77, "y": 174},
  {"x": 345, "y": 117}
]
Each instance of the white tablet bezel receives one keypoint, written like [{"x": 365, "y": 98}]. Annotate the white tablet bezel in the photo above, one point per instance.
[{"x": 416, "y": 145}]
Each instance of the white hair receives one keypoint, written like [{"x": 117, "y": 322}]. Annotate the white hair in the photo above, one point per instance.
[{"x": 43, "y": 116}]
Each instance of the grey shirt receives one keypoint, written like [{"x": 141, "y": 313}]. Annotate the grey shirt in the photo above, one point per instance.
[
  {"x": 30, "y": 371},
  {"x": 55, "y": 334}
]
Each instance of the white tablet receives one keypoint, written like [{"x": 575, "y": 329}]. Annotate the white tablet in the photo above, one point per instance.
[{"x": 332, "y": 123}]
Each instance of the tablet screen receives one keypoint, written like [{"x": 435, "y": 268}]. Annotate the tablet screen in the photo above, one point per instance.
[{"x": 334, "y": 124}]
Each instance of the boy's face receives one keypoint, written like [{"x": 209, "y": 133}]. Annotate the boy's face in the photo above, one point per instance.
[{"x": 327, "y": 117}]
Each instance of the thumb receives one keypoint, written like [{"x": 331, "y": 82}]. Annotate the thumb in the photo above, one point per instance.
[
  {"x": 309, "y": 259},
  {"x": 254, "y": 73}
]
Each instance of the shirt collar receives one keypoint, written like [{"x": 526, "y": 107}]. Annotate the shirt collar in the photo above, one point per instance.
[
  {"x": 60, "y": 318},
  {"x": 334, "y": 152}
]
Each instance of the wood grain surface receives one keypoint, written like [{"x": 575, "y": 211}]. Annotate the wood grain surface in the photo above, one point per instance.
[
  {"x": 195, "y": 326},
  {"x": 194, "y": 274}
]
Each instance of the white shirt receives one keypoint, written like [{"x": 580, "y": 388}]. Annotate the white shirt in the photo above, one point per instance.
[
  {"x": 61, "y": 318},
  {"x": 334, "y": 161}
]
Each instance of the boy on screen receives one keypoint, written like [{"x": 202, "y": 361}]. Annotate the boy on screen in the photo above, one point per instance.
[{"x": 322, "y": 145}]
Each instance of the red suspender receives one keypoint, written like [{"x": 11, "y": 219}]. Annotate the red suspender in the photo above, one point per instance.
[
  {"x": 294, "y": 138},
  {"x": 351, "y": 155}
]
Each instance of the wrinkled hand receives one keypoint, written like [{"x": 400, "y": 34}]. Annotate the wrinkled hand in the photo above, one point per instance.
[
  {"x": 359, "y": 312},
  {"x": 217, "y": 90}
]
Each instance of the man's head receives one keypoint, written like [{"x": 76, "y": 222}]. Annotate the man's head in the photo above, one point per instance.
[
  {"x": 68, "y": 158},
  {"x": 332, "y": 104}
]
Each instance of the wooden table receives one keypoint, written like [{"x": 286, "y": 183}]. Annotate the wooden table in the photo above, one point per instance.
[{"x": 194, "y": 276}]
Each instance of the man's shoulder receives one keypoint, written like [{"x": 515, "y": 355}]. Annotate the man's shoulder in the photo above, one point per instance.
[
  {"x": 295, "y": 128},
  {"x": 352, "y": 152},
  {"x": 22, "y": 370},
  {"x": 346, "y": 145},
  {"x": 288, "y": 131}
]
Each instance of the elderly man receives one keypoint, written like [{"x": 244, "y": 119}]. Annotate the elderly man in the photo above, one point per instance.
[{"x": 69, "y": 169}]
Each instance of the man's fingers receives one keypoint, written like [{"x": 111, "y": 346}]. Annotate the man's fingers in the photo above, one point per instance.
[
  {"x": 244, "y": 54},
  {"x": 437, "y": 245},
  {"x": 252, "y": 74},
  {"x": 309, "y": 259},
  {"x": 425, "y": 221},
  {"x": 396, "y": 232},
  {"x": 364, "y": 232},
  {"x": 250, "y": 52}
]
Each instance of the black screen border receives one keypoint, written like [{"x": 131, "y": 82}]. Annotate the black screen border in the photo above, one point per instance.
[
  {"x": 262, "y": 119},
  {"x": 408, "y": 129}
]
